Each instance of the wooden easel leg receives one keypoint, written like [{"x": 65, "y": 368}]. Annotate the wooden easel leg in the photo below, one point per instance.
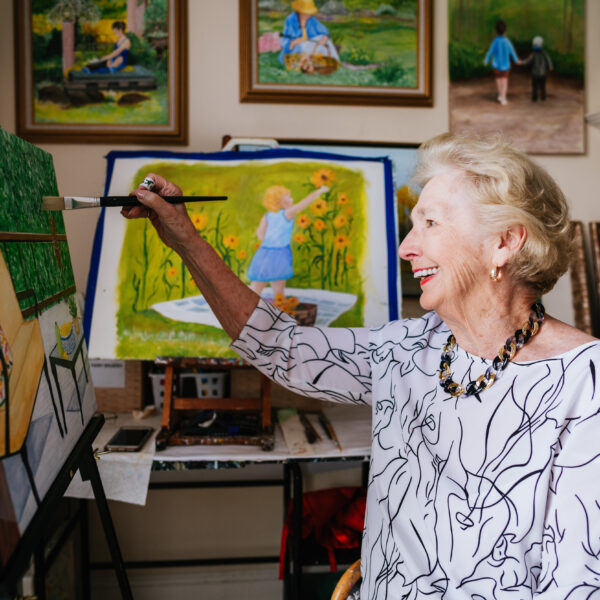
[
  {"x": 265, "y": 396},
  {"x": 89, "y": 470},
  {"x": 162, "y": 437}
]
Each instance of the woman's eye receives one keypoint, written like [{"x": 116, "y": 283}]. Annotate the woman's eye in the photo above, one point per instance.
[{"x": 429, "y": 223}]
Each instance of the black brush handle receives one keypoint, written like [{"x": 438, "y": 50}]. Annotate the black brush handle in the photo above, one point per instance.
[{"x": 133, "y": 201}]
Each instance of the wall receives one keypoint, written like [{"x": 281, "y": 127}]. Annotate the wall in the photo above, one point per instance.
[{"x": 215, "y": 110}]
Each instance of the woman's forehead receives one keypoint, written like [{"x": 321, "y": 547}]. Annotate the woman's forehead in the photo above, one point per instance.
[{"x": 446, "y": 192}]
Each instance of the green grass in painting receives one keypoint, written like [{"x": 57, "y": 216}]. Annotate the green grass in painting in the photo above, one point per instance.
[
  {"x": 381, "y": 41},
  {"x": 168, "y": 337},
  {"x": 151, "y": 112},
  {"x": 328, "y": 247}
]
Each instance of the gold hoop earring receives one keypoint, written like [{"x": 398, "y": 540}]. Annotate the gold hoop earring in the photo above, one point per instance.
[{"x": 496, "y": 274}]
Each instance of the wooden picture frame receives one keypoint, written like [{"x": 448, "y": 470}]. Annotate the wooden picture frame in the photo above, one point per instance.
[
  {"x": 581, "y": 285},
  {"x": 58, "y": 101},
  {"x": 344, "y": 70}
]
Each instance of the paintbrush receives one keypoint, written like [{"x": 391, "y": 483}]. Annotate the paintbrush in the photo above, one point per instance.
[
  {"x": 72, "y": 202},
  {"x": 329, "y": 430}
]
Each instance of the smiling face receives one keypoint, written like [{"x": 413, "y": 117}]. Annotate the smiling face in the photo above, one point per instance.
[{"x": 446, "y": 247}]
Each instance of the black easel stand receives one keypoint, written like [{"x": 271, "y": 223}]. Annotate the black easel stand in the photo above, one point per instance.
[{"x": 82, "y": 458}]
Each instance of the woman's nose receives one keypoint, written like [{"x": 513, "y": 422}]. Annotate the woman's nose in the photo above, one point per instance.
[{"x": 409, "y": 248}]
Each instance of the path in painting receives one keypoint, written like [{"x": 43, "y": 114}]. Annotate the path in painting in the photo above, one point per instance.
[{"x": 552, "y": 126}]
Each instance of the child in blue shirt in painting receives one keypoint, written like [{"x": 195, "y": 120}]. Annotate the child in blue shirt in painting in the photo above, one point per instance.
[
  {"x": 303, "y": 33},
  {"x": 501, "y": 51},
  {"x": 272, "y": 262}
]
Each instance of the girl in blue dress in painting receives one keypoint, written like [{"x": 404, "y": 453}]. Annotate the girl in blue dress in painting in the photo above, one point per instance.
[
  {"x": 303, "y": 33},
  {"x": 272, "y": 262}
]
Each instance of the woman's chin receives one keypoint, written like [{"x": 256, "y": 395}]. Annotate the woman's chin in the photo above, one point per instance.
[{"x": 427, "y": 301}]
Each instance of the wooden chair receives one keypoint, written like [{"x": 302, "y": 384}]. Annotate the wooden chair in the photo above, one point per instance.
[{"x": 348, "y": 582}]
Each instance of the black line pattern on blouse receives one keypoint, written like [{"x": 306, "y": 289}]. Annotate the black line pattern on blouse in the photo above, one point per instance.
[{"x": 490, "y": 500}]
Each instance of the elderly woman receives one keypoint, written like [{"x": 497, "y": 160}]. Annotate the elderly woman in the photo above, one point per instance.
[{"x": 485, "y": 456}]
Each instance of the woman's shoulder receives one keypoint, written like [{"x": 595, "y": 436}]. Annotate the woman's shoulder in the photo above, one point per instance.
[{"x": 557, "y": 339}]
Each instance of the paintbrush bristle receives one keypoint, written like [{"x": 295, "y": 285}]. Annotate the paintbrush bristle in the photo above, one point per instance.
[{"x": 53, "y": 203}]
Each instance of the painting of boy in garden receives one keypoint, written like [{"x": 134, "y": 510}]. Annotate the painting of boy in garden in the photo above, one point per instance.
[
  {"x": 518, "y": 67},
  {"x": 100, "y": 61}
]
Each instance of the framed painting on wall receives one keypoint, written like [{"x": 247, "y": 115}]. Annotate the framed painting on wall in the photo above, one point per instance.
[
  {"x": 344, "y": 52},
  {"x": 330, "y": 263},
  {"x": 101, "y": 71},
  {"x": 526, "y": 82}
]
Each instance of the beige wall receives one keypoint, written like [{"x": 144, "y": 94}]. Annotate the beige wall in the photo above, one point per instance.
[{"x": 215, "y": 110}]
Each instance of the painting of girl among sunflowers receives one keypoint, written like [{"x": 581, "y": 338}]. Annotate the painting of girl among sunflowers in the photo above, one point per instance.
[{"x": 309, "y": 232}]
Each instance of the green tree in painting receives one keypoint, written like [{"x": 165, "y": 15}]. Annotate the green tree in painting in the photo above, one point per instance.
[
  {"x": 559, "y": 22},
  {"x": 68, "y": 12}
]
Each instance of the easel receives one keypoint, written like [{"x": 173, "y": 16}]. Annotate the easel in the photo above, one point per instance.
[
  {"x": 82, "y": 458},
  {"x": 173, "y": 405}
]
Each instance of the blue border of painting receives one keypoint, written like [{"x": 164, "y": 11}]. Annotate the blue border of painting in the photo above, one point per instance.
[{"x": 391, "y": 233}]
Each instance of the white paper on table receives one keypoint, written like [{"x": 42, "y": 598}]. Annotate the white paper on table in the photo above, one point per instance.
[{"x": 125, "y": 475}]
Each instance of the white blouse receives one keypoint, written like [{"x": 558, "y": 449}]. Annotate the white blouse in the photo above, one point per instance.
[{"x": 493, "y": 496}]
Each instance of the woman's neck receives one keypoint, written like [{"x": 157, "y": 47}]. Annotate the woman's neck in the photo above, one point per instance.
[{"x": 482, "y": 327}]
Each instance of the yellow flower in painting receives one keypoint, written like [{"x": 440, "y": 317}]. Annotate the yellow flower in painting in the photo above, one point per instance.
[
  {"x": 231, "y": 241},
  {"x": 279, "y": 299},
  {"x": 319, "y": 225},
  {"x": 349, "y": 259},
  {"x": 341, "y": 241},
  {"x": 349, "y": 210},
  {"x": 340, "y": 221},
  {"x": 256, "y": 245},
  {"x": 292, "y": 302},
  {"x": 242, "y": 254},
  {"x": 172, "y": 272},
  {"x": 300, "y": 238},
  {"x": 322, "y": 177},
  {"x": 303, "y": 221},
  {"x": 343, "y": 199},
  {"x": 192, "y": 283},
  {"x": 200, "y": 221},
  {"x": 319, "y": 207}
]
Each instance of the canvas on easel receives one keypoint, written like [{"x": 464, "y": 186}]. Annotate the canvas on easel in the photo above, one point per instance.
[
  {"x": 336, "y": 258},
  {"x": 46, "y": 394}
]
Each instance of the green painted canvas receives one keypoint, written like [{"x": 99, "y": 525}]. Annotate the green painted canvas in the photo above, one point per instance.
[{"x": 46, "y": 396}]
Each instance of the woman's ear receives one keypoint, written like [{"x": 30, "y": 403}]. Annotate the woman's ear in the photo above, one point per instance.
[{"x": 508, "y": 243}]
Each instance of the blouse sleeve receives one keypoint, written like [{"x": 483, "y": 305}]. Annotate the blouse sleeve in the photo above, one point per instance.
[
  {"x": 324, "y": 363},
  {"x": 571, "y": 542}
]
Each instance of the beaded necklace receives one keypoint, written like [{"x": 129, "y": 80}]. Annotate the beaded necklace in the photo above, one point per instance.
[{"x": 500, "y": 362}]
